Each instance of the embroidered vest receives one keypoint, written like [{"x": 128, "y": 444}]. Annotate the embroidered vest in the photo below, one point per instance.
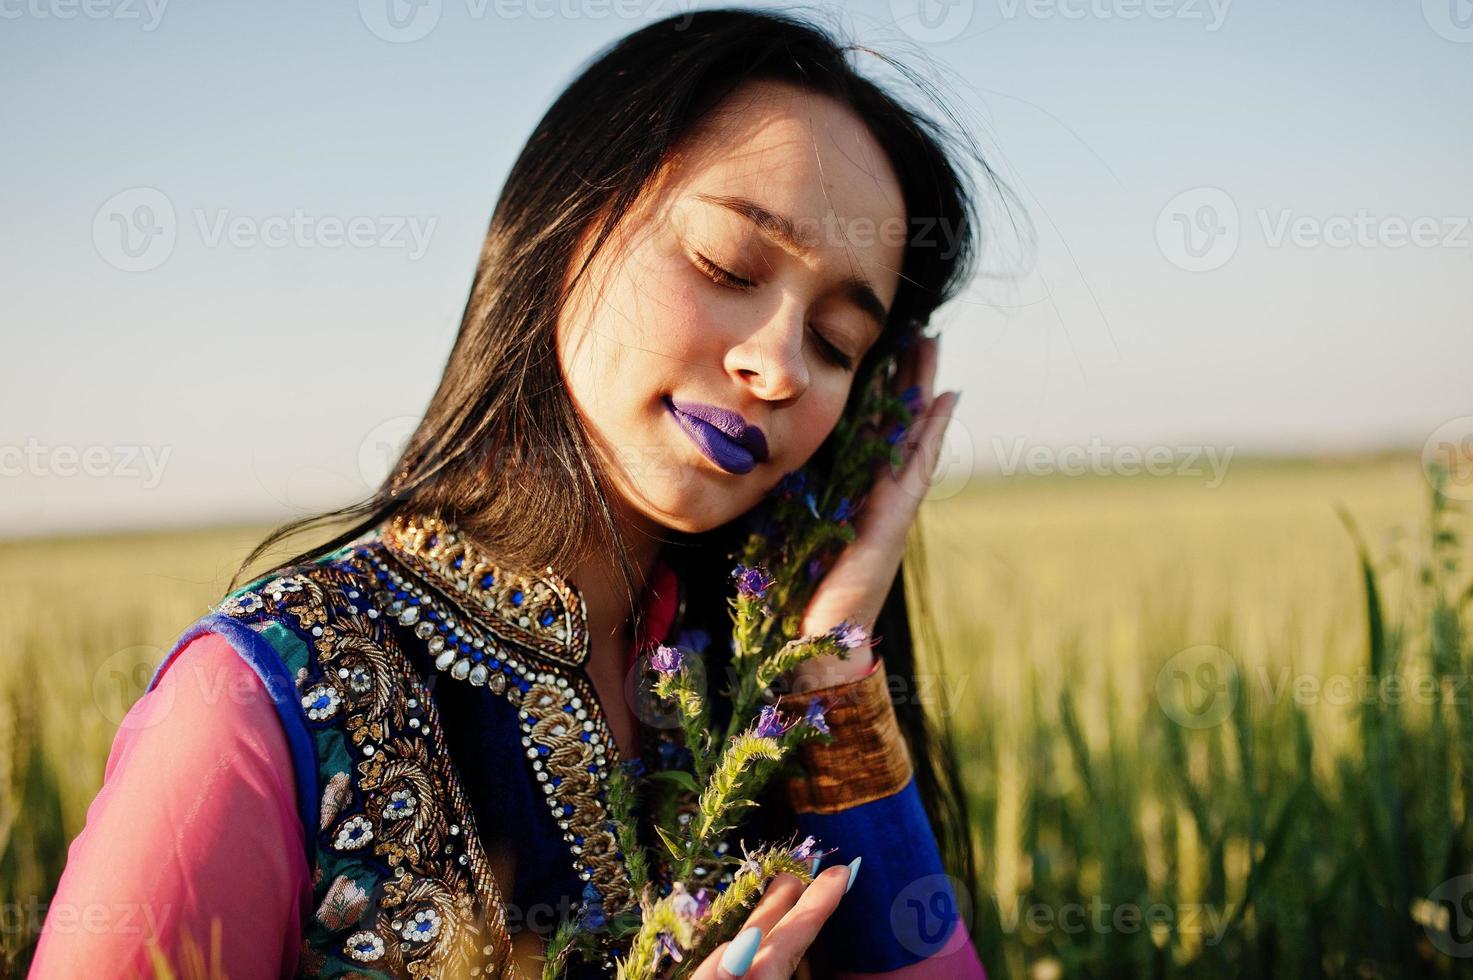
[{"x": 350, "y": 646}]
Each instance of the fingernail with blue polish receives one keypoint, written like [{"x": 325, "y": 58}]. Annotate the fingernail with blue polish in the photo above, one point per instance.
[
  {"x": 738, "y": 956},
  {"x": 853, "y": 870},
  {"x": 813, "y": 864}
]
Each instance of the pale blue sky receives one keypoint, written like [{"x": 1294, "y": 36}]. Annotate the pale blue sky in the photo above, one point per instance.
[{"x": 195, "y": 372}]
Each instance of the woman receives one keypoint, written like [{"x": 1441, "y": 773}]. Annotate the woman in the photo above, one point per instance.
[{"x": 384, "y": 757}]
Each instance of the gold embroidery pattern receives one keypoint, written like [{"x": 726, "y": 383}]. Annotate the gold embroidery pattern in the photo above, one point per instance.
[
  {"x": 441, "y": 913},
  {"x": 525, "y": 638}
]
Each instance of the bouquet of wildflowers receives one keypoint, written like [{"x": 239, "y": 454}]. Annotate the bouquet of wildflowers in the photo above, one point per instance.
[{"x": 795, "y": 535}]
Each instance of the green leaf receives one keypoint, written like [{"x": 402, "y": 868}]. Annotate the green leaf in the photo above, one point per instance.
[
  {"x": 671, "y": 844},
  {"x": 679, "y": 777}
]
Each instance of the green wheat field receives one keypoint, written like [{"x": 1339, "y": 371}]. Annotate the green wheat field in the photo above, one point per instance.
[{"x": 1208, "y": 731}]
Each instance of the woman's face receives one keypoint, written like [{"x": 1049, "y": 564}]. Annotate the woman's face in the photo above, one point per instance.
[{"x": 700, "y": 322}]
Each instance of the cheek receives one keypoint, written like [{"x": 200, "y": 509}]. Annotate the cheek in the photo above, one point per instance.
[
  {"x": 688, "y": 331},
  {"x": 817, "y": 412}
]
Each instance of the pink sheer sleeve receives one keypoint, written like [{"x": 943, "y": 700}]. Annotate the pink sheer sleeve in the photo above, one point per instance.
[
  {"x": 956, "y": 960},
  {"x": 196, "y": 820}
]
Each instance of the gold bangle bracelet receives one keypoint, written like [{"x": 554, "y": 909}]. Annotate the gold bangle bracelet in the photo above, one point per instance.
[{"x": 868, "y": 758}]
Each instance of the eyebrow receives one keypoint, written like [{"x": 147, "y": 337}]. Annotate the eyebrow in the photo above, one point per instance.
[{"x": 780, "y": 228}]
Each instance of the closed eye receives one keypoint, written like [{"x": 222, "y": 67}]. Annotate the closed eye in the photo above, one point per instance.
[{"x": 721, "y": 276}]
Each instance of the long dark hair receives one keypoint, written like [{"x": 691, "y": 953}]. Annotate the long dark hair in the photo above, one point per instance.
[{"x": 501, "y": 449}]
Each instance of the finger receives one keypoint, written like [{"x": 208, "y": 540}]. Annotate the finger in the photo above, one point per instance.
[
  {"x": 779, "y": 896},
  {"x": 782, "y": 892},
  {"x": 782, "y": 949}
]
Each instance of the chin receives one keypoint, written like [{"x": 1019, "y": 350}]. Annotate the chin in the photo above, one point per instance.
[{"x": 697, "y": 512}]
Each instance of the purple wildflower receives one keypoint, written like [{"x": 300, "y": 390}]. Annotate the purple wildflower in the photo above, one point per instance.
[
  {"x": 814, "y": 716},
  {"x": 667, "y": 660},
  {"x": 843, "y": 512},
  {"x": 667, "y": 945},
  {"x": 592, "y": 916},
  {"x": 815, "y": 569},
  {"x": 753, "y": 582},
  {"x": 633, "y": 767},
  {"x": 690, "y": 906},
  {"x": 912, "y": 399},
  {"x": 897, "y": 432},
  {"x": 770, "y": 722},
  {"x": 789, "y": 485},
  {"x": 850, "y": 635},
  {"x": 804, "y": 849}
]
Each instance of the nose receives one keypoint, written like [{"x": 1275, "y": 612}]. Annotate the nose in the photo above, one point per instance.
[{"x": 770, "y": 360}]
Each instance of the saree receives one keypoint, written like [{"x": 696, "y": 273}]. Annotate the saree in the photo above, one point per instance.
[{"x": 430, "y": 702}]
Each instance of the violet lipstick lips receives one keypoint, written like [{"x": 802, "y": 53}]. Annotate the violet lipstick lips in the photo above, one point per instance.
[{"x": 727, "y": 439}]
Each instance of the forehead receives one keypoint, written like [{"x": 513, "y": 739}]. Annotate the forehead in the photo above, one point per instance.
[{"x": 807, "y": 158}]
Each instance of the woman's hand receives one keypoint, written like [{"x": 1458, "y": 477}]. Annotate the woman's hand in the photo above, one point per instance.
[
  {"x": 856, "y": 586},
  {"x": 789, "y": 916}
]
